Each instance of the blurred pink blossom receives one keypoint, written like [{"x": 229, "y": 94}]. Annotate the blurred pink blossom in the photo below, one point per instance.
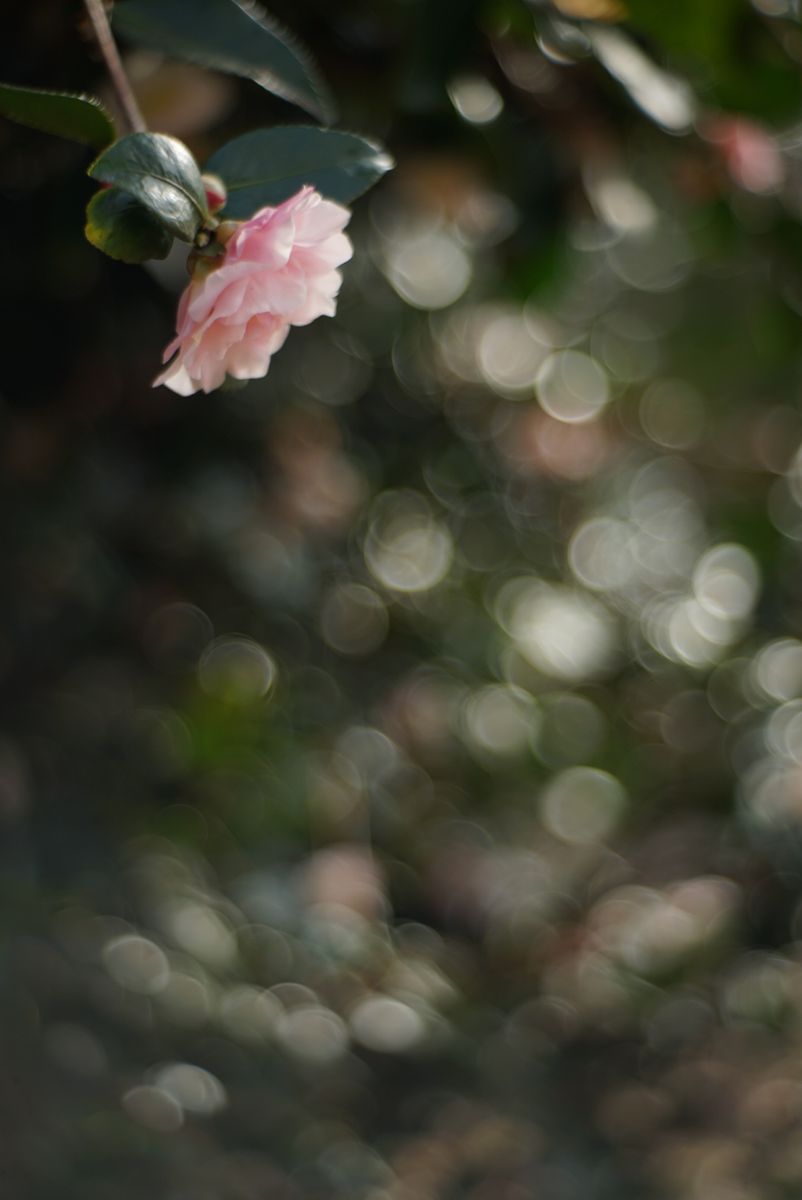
[
  {"x": 279, "y": 269},
  {"x": 750, "y": 152}
]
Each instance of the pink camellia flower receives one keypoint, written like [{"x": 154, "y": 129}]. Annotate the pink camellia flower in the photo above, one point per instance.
[{"x": 279, "y": 269}]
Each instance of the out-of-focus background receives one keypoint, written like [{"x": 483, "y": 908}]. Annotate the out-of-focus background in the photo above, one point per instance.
[{"x": 401, "y": 760}]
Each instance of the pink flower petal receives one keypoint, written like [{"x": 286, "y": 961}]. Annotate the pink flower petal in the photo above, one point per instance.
[{"x": 279, "y": 269}]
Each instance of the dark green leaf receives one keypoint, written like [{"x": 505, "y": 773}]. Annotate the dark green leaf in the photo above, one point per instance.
[
  {"x": 80, "y": 118},
  {"x": 227, "y": 36},
  {"x": 268, "y": 165},
  {"x": 119, "y": 226},
  {"x": 160, "y": 173}
]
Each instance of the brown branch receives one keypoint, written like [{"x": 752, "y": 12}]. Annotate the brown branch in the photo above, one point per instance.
[{"x": 111, "y": 56}]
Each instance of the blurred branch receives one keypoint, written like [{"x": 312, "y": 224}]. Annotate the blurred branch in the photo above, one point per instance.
[{"x": 108, "y": 48}]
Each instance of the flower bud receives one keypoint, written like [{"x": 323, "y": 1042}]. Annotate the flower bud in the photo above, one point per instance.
[{"x": 216, "y": 194}]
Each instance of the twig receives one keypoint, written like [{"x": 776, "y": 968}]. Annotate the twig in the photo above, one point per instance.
[{"x": 111, "y": 55}]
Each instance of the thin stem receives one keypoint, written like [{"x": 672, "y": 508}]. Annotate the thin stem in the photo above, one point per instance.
[{"x": 111, "y": 55}]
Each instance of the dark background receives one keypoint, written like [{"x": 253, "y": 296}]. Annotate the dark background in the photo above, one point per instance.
[{"x": 400, "y": 777}]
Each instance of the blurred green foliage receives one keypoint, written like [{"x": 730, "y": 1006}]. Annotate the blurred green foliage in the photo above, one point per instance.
[{"x": 400, "y": 775}]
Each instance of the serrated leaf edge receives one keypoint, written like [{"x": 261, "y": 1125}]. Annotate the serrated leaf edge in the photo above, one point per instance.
[
  {"x": 93, "y": 101},
  {"x": 326, "y": 107}
]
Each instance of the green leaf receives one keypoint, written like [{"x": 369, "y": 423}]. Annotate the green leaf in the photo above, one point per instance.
[
  {"x": 268, "y": 165},
  {"x": 80, "y": 118},
  {"x": 227, "y": 35},
  {"x": 118, "y": 225},
  {"x": 160, "y": 173}
]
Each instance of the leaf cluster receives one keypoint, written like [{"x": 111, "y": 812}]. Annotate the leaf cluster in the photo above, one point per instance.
[{"x": 153, "y": 190}]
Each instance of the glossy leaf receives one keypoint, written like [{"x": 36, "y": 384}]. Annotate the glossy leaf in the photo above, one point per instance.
[
  {"x": 162, "y": 175},
  {"x": 118, "y": 225},
  {"x": 227, "y": 36},
  {"x": 268, "y": 165},
  {"x": 79, "y": 118}
]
